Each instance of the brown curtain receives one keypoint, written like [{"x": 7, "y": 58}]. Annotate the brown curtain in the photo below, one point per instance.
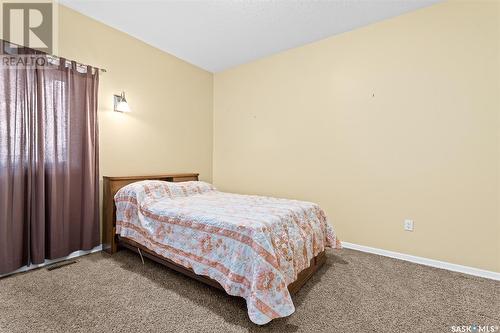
[{"x": 48, "y": 162}]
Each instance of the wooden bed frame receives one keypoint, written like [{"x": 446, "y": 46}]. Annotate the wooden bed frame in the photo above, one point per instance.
[{"x": 112, "y": 242}]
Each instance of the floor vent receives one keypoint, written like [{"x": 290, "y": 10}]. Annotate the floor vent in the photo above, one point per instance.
[{"x": 61, "y": 264}]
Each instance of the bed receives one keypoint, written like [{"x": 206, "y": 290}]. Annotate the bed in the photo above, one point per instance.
[{"x": 260, "y": 248}]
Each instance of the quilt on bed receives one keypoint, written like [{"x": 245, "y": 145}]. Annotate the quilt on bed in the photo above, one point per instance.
[{"x": 254, "y": 246}]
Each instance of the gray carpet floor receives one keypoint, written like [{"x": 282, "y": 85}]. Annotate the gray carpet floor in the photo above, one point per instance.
[{"x": 353, "y": 292}]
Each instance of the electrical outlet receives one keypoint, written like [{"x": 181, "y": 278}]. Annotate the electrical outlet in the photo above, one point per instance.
[{"x": 408, "y": 225}]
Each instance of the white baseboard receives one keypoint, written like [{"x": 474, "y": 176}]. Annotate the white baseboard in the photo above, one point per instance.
[
  {"x": 425, "y": 261},
  {"x": 50, "y": 262}
]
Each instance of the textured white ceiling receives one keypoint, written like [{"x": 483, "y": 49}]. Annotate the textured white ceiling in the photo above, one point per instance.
[{"x": 219, "y": 34}]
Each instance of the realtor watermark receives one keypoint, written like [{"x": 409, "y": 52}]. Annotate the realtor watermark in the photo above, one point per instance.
[
  {"x": 23, "y": 61},
  {"x": 29, "y": 23},
  {"x": 475, "y": 328},
  {"x": 28, "y": 29}
]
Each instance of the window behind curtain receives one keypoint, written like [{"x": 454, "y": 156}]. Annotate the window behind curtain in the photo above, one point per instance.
[{"x": 48, "y": 163}]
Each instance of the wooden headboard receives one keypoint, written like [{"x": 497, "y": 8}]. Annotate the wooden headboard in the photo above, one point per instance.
[{"x": 111, "y": 186}]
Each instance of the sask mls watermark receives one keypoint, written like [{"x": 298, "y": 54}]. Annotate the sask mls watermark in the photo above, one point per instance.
[
  {"x": 31, "y": 24},
  {"x": 475, "y": 328}
]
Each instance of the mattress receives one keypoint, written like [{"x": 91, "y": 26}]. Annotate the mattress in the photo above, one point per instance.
[{"x": 253, "y": 246}]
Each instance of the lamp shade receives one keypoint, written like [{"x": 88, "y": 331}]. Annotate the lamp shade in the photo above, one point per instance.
[{"x": 121, "y": 104}]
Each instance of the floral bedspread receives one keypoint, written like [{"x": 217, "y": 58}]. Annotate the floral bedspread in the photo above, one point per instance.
[{"x": 254, "y": 246}]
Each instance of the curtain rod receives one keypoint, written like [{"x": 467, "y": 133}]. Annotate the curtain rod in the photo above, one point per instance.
[
  {"x": 57, "y": 59},
  {"x": 51, "y": 56}
]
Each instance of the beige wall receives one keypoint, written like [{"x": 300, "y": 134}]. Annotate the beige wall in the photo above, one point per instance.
[
  {"x": 170, "y": 126},
  {"x": 396, "y": 120}
]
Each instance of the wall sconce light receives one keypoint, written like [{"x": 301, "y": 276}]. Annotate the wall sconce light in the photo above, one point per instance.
[{"x": 121, "y": 104}]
